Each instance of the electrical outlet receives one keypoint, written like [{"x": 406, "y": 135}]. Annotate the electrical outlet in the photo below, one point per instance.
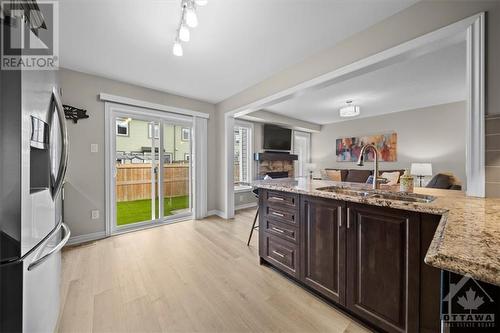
[
  {"x": 94, "y": 148},
  {"x": 95, "y": 214}
]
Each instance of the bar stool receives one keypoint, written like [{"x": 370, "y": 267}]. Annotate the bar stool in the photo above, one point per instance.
[{"x": 256, "y": 192}]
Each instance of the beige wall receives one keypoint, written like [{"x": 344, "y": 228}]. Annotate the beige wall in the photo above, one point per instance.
[
  {"x": 85, "y": 187},
  {"x": 424, "y": 135},
  {"x": 417, "y": 20}
]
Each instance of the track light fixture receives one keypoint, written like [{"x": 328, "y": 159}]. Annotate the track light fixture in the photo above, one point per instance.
[
  {"x": 178, "y": 51},
  {"x": 189, "y": 19}
]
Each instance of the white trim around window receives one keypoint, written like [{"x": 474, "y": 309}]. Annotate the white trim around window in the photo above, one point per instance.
[
  {"x": 299, "y": 169},
  {"x": 198, "y": 154},
  {"x": 250, "y": 148},
  {"x": 153, "y": 106}
]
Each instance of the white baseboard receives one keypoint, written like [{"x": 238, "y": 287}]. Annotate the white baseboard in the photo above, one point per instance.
[
  {"x": 248, "y": 205},
  {"x": 86, "y": 238},
  {"x": 218, "y": 213}
]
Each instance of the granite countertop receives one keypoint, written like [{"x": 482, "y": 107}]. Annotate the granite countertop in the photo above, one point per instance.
[{"x": 467, "y": 240}]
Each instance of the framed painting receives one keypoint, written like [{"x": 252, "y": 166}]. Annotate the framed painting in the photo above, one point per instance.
[{"x": 348, "y": 149}]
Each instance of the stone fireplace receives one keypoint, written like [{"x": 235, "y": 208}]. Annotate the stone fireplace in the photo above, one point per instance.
[
  {"x": 276, "y": 165},
  {"x": 268, "y": 167}
]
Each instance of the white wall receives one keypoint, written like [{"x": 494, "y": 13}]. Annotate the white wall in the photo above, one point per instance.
[
  {"x": 435, "y": 134},
  {"x": 85, "y": 188}
]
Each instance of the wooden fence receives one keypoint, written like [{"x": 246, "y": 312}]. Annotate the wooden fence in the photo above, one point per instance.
[{"x": 133, "y": 181}]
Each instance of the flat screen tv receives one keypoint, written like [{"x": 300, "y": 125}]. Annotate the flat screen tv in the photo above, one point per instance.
[{"x": 277, "y": 138}]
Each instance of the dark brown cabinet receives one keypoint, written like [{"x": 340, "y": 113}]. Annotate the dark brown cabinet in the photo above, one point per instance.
[
  {"x": 279, "y": 230},
  {"x": 382, "y": 266},
  {"x": 283, "y": 254},
  {"x": 364, "y": 258},
  {"x": 323, "y": 246}
]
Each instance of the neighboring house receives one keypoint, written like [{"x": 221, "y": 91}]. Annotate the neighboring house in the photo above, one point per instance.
[{"x": 136, "y": 138}]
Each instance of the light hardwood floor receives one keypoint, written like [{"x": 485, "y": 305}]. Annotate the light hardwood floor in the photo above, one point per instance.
[{"x": 194, "y": 276}]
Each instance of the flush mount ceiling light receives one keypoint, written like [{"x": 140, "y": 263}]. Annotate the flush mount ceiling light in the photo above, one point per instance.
[
  {"x": 349, "y": 110},
  {"x": 189, "y": 19}
]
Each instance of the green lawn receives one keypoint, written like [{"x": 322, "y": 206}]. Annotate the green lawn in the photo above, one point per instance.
[{"x": 140, "y": 210}]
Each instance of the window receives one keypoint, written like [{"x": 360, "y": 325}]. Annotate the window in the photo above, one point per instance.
[
  {"x": 301, "y": 148},
  {"x": 186, "y": 157},
  {"x": 122, "y": 126},
  {"x": 168, "y": 158},
  {"x": 243, "y": 154},
  {"x": 150, "y": 131},
  {"x": 185, "y": 134}
]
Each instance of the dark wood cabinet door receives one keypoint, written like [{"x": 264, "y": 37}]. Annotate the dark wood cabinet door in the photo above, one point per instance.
[
  {"x": 383, "y": 266},
  {"x": 281, "y": 254},
  {"x": 323, "y": 246}
]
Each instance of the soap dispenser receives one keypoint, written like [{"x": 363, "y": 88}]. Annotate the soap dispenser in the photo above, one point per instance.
[{"x": 406, "y": 182}]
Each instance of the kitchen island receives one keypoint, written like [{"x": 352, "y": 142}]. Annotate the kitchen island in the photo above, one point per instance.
[{"x": 364, "y": 250}]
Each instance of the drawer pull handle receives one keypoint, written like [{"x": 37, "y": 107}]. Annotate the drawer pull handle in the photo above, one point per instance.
[
  {"x": 278, "y": 230},
  {"x": 279, "y": 254},
  {"x": 276, "y": 198},
  {"x": 278, "y": 214}
]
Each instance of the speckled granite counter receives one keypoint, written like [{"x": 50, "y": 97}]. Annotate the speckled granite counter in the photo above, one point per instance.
[{"x": 467, "y": 240}]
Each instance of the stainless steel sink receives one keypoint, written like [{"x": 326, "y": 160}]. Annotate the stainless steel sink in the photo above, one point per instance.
[
  {"x": 346, "y": 191},
  {"x": 408, "y": 197}
]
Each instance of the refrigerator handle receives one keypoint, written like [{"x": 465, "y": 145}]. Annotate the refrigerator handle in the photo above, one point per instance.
[
  {"x": 39, "y": 261},
  {"x": 37, "y": 247},
  {"x": 61, "y": 173}
]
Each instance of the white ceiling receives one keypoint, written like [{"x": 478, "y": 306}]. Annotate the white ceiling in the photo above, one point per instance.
[
  {"x": 433, "y": 79},
  {"x": 237, "y": 44}
]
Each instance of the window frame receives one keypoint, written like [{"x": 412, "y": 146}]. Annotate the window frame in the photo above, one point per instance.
[
  {"x": 299, "y": 164},
  {"x": 170, "y": 158},
  {"x": 156, "y": 131},
  {"x": 122, "y": 120},
  {"x": 185, "y": 131},
  {"x": 250, "y": 152}
]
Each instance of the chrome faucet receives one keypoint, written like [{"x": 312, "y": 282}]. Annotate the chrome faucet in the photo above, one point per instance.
[{"x": 375, "y": 163}]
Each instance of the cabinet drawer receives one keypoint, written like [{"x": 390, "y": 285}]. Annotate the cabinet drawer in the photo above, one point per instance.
[
  {"x": 282, "y": 230},
  {"x": 281, "y": 254},
  {"x": 281, "y": 199},
  {"x": 281, "y": 214}
]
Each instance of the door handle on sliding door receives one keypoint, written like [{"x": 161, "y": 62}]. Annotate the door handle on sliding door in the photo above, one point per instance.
[{"x": 63, "y": 165}]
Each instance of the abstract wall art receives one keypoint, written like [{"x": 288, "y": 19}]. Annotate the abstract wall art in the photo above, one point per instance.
[{"x": 348, "y": 149}]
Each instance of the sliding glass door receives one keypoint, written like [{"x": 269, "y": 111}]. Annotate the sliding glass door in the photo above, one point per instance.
[
  {"x": 152, "y": 171},
  {"x": 136, "y": 173},
  {"x": 176, "y": 190}
]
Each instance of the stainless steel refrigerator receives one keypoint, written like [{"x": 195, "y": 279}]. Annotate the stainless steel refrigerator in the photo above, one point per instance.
[{"x": 33, "y": 160}]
